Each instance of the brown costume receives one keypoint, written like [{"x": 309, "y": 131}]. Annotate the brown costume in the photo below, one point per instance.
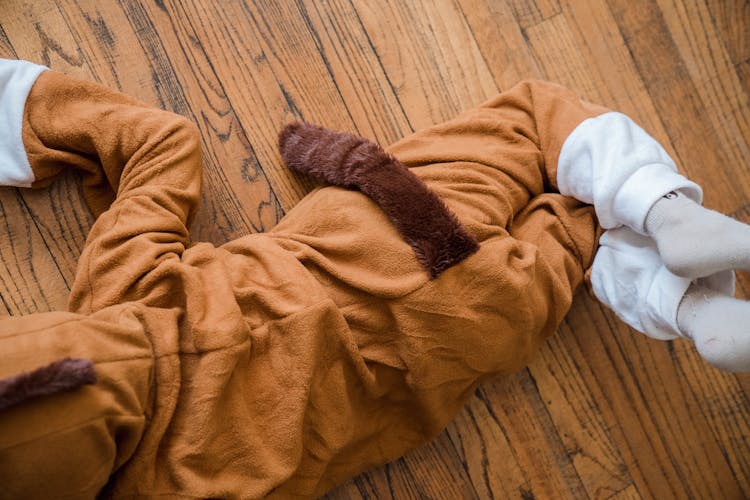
[{"x": 283, "y": 363}]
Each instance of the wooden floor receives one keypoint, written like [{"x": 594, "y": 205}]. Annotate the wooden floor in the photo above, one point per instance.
[{"x": 603, "y": 412}]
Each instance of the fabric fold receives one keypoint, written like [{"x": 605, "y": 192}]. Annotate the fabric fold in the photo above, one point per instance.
[{"x": 435, "y": 234}]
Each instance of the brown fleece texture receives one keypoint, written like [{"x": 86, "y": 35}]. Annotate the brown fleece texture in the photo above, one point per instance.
[
  {"x": 281, "y": 364},
  {"x": 63, "y": 375},
  {"x": 343, "y": 159}
]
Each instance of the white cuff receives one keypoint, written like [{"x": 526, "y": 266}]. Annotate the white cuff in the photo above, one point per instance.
[
  {"x": 16, "y": 80},
  {"x": 644, "y": 187},
  {"x": 610, "y": 162}
]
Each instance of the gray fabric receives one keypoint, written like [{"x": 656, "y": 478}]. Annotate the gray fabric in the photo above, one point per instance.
[
  {"x": 717, "y": 323},
  {"x": 695, "y": 242}
]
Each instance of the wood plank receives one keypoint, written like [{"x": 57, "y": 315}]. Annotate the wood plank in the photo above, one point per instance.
[
  {"x": 356, "y": 69},
  {"x": 6, "y": 50},
  {"x": 643, "y": 386},
  {"x": 629, "y": 493},
  {"x": 430, "y": 56},
  {"x": 719, "y": 402},
  {"x": 574, "y": 400},
  {"x": 40, "y": 34},
  {"x": 710, "y": 68},
  {"x": 30, "y": 279},
  {"x": 532, "y": 12},
  {"x": 272, "y": 74},
  {"x": 489, "y": 458},
  {"x": 743, "y": 73},
  {"x": 431, "y": 471},
  {"x": 556, "y": 50},
  {"x": 638, "y": 439},
  {"x": 613, "y": 72},
  {"x": 501, "y": 42},
  {"x": 63, "y": 221},
  {"x": 697, "y": 147},
  {"x": 237, "y": 198},
  {"x": 732, "y": 21},
  {"x": 520, "y": 414}
]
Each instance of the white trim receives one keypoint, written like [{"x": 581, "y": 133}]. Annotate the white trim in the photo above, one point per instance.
[
  {"x": 644, "y": 187},
  {"x": 610, "y": 162},
  {"x": 16, "y": 80}
]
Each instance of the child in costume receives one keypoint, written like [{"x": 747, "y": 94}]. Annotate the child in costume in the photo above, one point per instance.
[{"x": 283, "y": 363}]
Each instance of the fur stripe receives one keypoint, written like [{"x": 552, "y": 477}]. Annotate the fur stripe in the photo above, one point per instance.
[
  {"x": 63, "y": 375},
  {"x": 342, "y": 159}
]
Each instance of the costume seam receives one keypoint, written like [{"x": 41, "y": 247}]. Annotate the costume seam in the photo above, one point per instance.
[{"x": 72, "y": 427}]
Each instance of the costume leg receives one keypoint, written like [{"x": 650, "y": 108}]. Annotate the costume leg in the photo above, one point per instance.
[
  {"x": 59, "y": 441},
  {"x": 414, "y": 348},
  {"x": 146, "y": 164},
  {"x": 659, "y": 241},
  {"x": 428, "y": 342}
]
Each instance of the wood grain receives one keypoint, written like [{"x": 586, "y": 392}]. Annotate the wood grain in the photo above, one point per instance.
[
  {"x": 602, "y": 411},
  {"x": 529, "y": 13},
  {"x": 59, "y": 218},
  {"x": 366, "y": 89},
  {"x": 732, "y": 22},
  {"x": 676, "y": 98},
  {"x": 501, "y": 41},
  {"x": 430, "y": 55}
]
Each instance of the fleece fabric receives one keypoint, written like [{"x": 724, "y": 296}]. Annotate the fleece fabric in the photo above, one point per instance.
[
  {"x": 435, "y": 234},
  {"x": 279, "y": 364}
]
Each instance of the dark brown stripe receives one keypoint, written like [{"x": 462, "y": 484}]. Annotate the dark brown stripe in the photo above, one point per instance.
[
  {"x": 433, "y": 231},
  {"x": 63, "y": 375}
]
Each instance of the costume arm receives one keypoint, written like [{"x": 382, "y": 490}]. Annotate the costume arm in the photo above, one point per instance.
[{"x": 144, "y": 162}]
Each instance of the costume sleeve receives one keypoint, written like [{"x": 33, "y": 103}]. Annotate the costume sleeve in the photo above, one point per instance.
[{"x": 144, "y": 162}]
